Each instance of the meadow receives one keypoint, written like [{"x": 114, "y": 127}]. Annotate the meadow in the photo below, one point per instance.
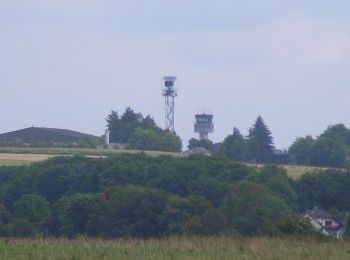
[
  {"x": 296, "y": 171},
  {"x": 77, "y": 151},
  {"x": 176, "y": 248}
]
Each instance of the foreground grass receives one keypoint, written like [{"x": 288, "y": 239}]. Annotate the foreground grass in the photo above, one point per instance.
[{"x": 175, "y": 248}]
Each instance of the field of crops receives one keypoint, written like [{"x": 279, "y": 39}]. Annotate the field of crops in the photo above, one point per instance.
[{"x": 175, "y": 248}]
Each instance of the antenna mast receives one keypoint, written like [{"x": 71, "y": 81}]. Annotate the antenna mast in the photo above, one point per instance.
[{"x": 169, "y": 92}]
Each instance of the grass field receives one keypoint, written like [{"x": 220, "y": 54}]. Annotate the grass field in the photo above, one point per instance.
[
  {"x": 175, "y": 248},
  {"x": 297, "y": 171},
  {"x": 78, "y": 151}
]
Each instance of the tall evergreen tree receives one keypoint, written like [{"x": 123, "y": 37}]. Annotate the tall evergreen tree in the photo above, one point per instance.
[
  {"x": 112, "y": 118},
  {"x": 260, "y": 140}
]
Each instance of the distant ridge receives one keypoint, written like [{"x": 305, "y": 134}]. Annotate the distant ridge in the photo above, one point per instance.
[{"x": 34, "y": 135}]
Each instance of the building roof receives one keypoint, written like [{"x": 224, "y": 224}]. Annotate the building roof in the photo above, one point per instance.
[
  {"x": 317, "y": 213},
  {"x": 43, "y": 135}
]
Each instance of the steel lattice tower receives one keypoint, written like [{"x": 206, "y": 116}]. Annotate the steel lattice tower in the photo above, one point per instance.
[{"x": 169, "y": 92}]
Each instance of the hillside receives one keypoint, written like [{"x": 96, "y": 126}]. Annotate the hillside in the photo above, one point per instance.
[{"x": 42, "y": 135}]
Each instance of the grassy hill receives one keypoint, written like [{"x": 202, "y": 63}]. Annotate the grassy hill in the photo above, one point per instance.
[{"x": 42, "y": 135}]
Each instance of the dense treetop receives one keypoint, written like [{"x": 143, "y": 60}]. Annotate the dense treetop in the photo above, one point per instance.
[
  {"x": 140, "y": 132},
  {"x": 332, "y": 148},
  {"x": 141, "y": 196}
]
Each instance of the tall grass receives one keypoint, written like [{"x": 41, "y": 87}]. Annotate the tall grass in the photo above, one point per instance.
[{"x": 175, "y": 248}]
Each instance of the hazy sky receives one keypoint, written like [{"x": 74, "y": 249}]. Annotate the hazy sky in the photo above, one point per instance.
[{"x": 68, "y": 63}]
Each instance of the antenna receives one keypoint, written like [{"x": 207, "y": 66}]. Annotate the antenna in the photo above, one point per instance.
[{"x": 169, "y": 92}]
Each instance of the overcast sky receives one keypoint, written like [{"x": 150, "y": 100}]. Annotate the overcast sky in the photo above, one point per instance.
[{"x": 68, "y": 63}]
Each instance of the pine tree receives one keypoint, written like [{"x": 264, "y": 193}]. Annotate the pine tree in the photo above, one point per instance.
[
  {"x": 111, "y": 118},
  {"x": 260, "y": 140}
]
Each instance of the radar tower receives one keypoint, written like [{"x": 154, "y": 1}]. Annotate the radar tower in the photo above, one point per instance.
[{"x": 169, "y": 92}]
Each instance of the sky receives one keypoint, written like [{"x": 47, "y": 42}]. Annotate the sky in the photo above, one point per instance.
[{"x": 68, "y": 63}]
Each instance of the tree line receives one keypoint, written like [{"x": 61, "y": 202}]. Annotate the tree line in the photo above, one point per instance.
[
  {"x": 135, "y": 195},
  {"x": 330, "y": 149},
  {"x": 139, "y": 132},
  {"x": 255, "y": 147}
]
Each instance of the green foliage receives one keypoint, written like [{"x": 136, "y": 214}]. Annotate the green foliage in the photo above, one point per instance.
[
  {"x": 135, "y": 195},
  {"x": 278, "y": 182},
  {"x": 87, "y": 142},
  {"x": 235, "y": 147},
  {"x": 252, "y": 208},
  {"x": 293, "y": 225},
  {"x": 76, "y": 215},
  {"x": 5, "y": 220},
  {"x": 301, "y": 150},
  {"x": 192, "y": 215},
  {"x": 326, "y": 190},
  {"x": 144, "y": 139},
  {"x": 338, "y": 131},
  {"x": 121, "y": 127},
  {"x": 347, "y": 231},
  {"x": 205, "y": 143},
  {"x": 141, "y": 132},
  {"x": 170, "y": 142},
  {"x": 331, "y": 149},
  {"x": 33, "y": 211},
  {"x": 148, "y": 139},
  {"x": 132, "y": 211},
  {"x": 260, "y": 140}
]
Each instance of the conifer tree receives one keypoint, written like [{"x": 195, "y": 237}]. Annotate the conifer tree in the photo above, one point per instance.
[{"x": 260, "y": 140}]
